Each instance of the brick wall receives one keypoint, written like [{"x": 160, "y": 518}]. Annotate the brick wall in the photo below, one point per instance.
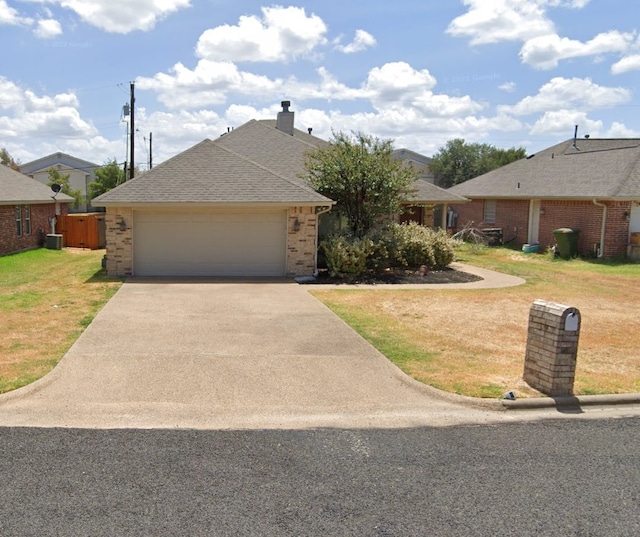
[
  {"x": 119, "y": 241},
  {"x": 513, "y": 217},
  {"x": 40, "y": 214},
  {"x": 301, "y": 244}
]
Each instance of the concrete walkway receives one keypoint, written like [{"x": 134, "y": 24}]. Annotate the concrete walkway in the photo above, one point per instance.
[{"x": 215, "y": 355}]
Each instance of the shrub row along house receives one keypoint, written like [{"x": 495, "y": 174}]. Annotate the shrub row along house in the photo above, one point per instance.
[
  {"x": 28, "y": 210},
  {"x": 589, "y": 185}
]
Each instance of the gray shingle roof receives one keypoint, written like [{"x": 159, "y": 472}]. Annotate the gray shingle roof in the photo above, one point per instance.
[
  {"x": 595, "y": 168},
  {"x": 18, "y": 189},
  {"x": 264, "y": 170},
  {"x": 425, "y": 192}
]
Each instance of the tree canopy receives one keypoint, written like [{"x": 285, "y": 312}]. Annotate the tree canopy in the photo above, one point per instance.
[
  {"x": 109, "y": 176},
  {"x": 7, "y": 160},
  {"x": 62, "y": 179},
  {"x": 459, "y": 161},
  {"x": 356, "y": 171}
]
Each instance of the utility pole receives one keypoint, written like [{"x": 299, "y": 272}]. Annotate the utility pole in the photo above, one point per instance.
[
  {"x": 132, "y": 127},
  {"x": 150, "y": 150}
]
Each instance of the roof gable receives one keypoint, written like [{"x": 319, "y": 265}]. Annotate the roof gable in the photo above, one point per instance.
[
  {"x": 587, "y": 169},
  {"x": 17, "y": 189},
  {"x": 209, "y": 173},
  {"x": 69, "y": 161}
]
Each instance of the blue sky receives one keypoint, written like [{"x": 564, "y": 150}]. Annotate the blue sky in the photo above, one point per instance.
[{"x": 420, "y": 72}]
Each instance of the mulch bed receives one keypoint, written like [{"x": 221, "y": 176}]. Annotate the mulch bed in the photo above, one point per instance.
[{"x": 398, "y": 276}]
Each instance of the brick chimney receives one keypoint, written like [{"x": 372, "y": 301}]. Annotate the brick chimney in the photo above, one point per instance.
[{"x": 284, "y": 122}]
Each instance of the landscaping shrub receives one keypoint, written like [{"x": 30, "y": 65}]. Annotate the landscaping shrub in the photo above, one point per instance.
[
  {"x": 346, "y": 256},
  {"x": 413, "y": 245}
]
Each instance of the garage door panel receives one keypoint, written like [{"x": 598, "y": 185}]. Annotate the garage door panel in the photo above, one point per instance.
[{"x": 209, "y": 244}]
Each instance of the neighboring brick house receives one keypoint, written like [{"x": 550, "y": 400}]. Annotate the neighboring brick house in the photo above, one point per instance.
[
  {"x": 591, "y": 185},
  {"x": 234, "y": 206},
  {"x": 26, "y": 210},
  {"x": 81, "y": 173}
]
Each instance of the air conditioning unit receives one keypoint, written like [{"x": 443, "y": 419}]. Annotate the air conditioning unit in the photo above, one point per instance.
[{"x": 54, "y": 241}]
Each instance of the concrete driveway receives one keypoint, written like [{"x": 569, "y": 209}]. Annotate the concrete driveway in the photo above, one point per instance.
[{"x": 224, "y": 355}]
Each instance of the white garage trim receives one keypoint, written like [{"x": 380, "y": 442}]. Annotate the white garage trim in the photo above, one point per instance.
[{"x": 209, "y": 242}]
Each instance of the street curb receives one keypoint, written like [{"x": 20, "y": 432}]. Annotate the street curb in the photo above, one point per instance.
[{"x": 532, "y": 403}]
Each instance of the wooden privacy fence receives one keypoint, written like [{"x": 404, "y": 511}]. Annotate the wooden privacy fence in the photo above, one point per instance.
[{"x": 87, "y": 230}]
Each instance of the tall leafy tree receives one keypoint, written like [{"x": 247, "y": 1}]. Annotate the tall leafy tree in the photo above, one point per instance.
[
  {"x": 7, "y": 160},
  {"x": 357, "y": 172},
  {"x": 62, "y": 179},
  {"x": 459, "y": 161},
  {"x": 109, "y": 176}
]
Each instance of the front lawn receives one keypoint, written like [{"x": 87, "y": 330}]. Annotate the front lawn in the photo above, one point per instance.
[
  {"x": 47, "y": 299},
  {"x": 472, "y": 342}
]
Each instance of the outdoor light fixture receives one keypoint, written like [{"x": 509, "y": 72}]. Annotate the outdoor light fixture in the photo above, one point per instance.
[
  {"x": 123, "y": 224},
  {"x": 296, "y": 225}
]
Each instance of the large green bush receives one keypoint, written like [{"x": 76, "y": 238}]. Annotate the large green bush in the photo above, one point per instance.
[
  {"x": 413, "y": 245},
  {"x": 345, "y": 256}
]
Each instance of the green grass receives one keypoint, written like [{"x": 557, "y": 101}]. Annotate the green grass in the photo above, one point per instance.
[{"x": 47, "y": 299}]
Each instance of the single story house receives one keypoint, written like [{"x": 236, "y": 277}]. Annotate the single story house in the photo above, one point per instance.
[
  {"x": 233, "y": 206},
  {"x": 590, "y": 185},
  {"x": 427, "y": 203},
  {"x": 28, "y": 211},
  {"x": 81, "y": 173}
]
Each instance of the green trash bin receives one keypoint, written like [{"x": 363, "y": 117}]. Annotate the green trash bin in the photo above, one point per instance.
[{"x": 566, "y": 241}]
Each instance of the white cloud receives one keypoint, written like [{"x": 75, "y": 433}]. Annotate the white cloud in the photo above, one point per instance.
[
  {"x": 122, "y": 16},
  {"x": 509, "y": 87},
  {"x": 281, "y": 34},
  {"x": 11, "y": 16},
  {"x": 565, "y": 93},
  {"x": 33, "y": 116},
  {"x": 626, "y": 64},
  {"x": 492, "y": 21},
  {"x": 544, "y": 52},
  {"x": 562, "y": 123},
  {"x": 48, "y": 28},
  {"x": 619, "y": 130},
  {"x": 362, "y": 41}
]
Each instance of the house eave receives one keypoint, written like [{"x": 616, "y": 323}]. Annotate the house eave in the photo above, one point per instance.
[{"x": 213, "y": 204}]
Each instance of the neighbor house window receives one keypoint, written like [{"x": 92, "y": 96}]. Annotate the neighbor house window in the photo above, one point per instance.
[
  {"x": 18, "y": 214},
  {"x": 490, "y": 211},
  {"x": 26, "y": 213}
]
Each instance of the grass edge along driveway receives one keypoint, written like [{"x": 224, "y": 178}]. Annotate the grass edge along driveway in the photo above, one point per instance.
[
  {"x": 47, "y": 299},
  {"x": 472, "y": 342}
]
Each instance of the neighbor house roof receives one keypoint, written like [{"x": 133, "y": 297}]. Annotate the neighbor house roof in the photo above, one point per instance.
[
  {"x": 423, "y": 192},
  {"x": 18, "y": 189},
  {"x": 587, "y": 169},
  {"x": 67, "y": 161},
  {"x": 253, "y": 164}
]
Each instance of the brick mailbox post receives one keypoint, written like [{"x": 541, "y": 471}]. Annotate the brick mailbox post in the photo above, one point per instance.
[{"x": 552, "y": 348}]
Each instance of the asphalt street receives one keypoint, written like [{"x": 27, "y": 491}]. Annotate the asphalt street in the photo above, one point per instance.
[{"x": 568, "y": 477}]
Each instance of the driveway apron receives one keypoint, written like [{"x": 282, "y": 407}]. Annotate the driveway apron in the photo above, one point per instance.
[{"x": 224, "y": 355}]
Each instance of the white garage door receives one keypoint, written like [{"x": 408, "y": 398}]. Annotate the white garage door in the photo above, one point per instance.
[{"x": 209, "y": 243}]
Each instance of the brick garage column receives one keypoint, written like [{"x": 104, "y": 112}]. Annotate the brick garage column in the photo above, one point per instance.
[
  {"x": 552, "y": 347},
  {"x": 119, "y": 231},
  {"x": 302, "y": 235}
]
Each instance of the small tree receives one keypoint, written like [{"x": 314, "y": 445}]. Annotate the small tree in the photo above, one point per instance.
[
  {"x": 109, "y": 176},
  {"x": 459, "y": 161},
  {"x": 7, "y": 160},
  {"x": 357, "y": 172},
  {"x": 62, "y": 179}
]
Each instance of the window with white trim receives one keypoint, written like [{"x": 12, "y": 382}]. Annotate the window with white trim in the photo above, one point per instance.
[
  {"x": 489, "y": 216},
  {"x": 26, "y": 213},
  {"x": 18, "y": 215}
]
